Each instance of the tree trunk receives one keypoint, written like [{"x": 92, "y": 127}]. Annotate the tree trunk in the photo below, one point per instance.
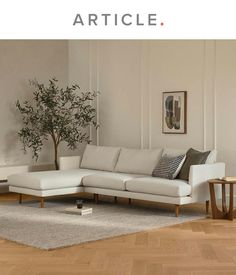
[
  {"x": 55, "y": 156},
  {"x": 55, "y": 143}
]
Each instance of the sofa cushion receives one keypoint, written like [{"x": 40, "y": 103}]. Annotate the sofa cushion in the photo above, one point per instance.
[
  {"x": 168, "y": 167},
  {"x": 138, "y": 161},
  {"x": 108, "y": 180},
  {"x": 170, "y": 152},
  {"x": 193, "y": 157},
  {"x": 159, "y": 186},
  {"x": 100, "y": 157},
  {"x": 50, "y": 179},
  {"x": 211, "y": 157}
]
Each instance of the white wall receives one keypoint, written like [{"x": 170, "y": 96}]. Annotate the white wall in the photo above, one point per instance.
[
  {"x": 19, "y": 62},
  {"x": 132, "y": 75}
]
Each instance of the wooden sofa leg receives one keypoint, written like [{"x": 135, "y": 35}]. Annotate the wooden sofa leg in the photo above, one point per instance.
[
  {"x": 177, "y": 210},
  {"x": 129, "y": 200},
  {"x": 115, "y": 199},
  {"x": 20, "y": 198},
  {"x": 207, "y": 206},
  {"x": 96, "y": 198},
  {"x": 41, "y": 202}
]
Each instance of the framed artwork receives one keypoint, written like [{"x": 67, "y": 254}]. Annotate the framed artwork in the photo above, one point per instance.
[{"x": 174, "y": 114}]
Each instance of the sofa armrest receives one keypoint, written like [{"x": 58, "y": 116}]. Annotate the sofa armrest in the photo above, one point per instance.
[
  {"x": 198, "y": 177},
  {"x": 69, "y": 162}
]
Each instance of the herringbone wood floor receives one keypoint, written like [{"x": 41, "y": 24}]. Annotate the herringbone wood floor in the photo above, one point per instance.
[{"x": 200, "y": 247}]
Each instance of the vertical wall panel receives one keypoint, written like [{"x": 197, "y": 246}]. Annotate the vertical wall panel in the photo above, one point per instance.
[
  {"x": 120, "y": 100},
  {"x": 177, "y": 66},
  {"x": 209, "y": 91},
  {"x": 226, "y": 103}
]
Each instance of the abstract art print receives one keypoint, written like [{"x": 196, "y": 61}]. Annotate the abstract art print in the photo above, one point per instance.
[{"x": 174, "y": 113}]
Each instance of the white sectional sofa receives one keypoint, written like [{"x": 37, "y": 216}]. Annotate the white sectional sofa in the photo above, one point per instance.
[{"x": 119, "y": 172}]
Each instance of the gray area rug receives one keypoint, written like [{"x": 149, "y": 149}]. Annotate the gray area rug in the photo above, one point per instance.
[{"x": 51, "y": 228}]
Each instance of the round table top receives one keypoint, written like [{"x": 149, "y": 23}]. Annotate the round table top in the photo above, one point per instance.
[{"x": 219, "y": 181}]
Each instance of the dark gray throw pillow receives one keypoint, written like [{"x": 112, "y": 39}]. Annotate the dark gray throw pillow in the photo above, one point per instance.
[
  {"x": 193, "y": 157},
  {"x": 167, "y": 167}
]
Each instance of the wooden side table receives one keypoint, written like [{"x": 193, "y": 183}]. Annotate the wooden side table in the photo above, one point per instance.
[{"x": 224, "y": 213}]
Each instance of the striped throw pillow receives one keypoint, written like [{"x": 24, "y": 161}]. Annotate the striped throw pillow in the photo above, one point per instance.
[{"x": 168, "y": 167}]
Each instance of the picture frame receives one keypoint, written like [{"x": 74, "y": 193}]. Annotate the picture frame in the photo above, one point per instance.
[{"x": 174, "y": 112}]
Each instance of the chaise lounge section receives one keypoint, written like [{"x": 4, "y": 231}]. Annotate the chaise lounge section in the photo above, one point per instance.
[{"x": 119, "y": 172}]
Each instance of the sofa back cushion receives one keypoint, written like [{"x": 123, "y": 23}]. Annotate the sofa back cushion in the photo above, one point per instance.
[
  {"x": 100, "y": 157},
  {"x": 170, "y": 152},
  {"x": 138, "y": 161},
  {"x": 212, "y": 157}
]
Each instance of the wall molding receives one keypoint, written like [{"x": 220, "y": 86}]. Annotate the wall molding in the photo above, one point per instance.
[
  {"x": 214, "y": 98},
  {"x": 90, "y": 81},
  {"x": 94, "y": 84},
  {"x": 142, "y": 84},
  {"x": 144, "y": 90},
  {"x": 98, "y": 90},
  {"x": 149, "y": 103},
  {"x": 204, "y": 95}
]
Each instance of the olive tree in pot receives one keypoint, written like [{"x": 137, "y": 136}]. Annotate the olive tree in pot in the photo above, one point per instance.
[{"x": 61, "y": 114}]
